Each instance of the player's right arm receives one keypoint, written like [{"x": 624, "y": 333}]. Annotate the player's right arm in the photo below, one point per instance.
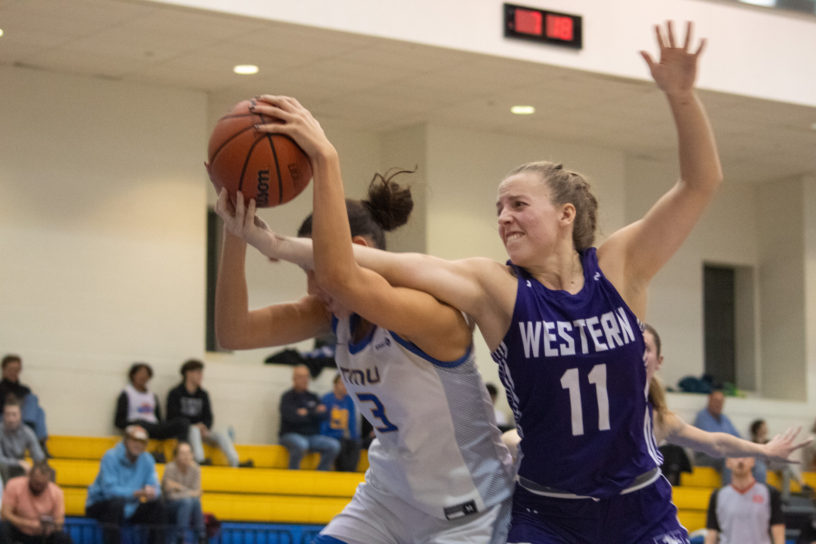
[
  {"x": 237, "y": 327},
  {"x": 470, "y": 285}
]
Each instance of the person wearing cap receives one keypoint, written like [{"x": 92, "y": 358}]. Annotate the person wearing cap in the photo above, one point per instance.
[
  {"x": 190, "y": 401},
  {"x": 127, "y": 489}
]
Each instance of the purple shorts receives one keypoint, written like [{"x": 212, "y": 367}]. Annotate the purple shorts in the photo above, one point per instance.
[{"x": 645, "y": 516}]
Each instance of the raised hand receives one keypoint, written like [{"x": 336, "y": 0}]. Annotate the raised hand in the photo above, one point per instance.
[
  {"x": 240, "y": 220},
  {"x": 295, "y": 121},
  {"x": 676, "y": 70},
  {"x": 781, "y": 446}
]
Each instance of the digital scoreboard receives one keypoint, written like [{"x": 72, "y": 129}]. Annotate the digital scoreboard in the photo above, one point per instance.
[{"x": 542, "y": 26}]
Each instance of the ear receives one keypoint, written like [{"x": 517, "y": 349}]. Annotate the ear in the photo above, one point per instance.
[
  {"x": 362, "y": 240},
  {"x": 567, "y": 213}
]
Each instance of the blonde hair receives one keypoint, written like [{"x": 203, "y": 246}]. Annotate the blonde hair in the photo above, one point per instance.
[
  {"x": 657, "y": 396},
  {"x": 568, "y": 186}
]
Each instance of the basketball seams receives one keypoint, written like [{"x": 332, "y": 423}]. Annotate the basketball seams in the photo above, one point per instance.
[
  {"x": 237, "y": 156},
  {"x": 261, "y": 119},
  {"x": 246, "y": 163},
  {"x": 277, "y": 167}
]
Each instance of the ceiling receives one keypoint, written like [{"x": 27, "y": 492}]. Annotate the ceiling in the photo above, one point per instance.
[{"x": 376, "y": 84}]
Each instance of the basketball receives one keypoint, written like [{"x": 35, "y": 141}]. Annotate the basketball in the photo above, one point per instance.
[{"x": 270, "y": 168}]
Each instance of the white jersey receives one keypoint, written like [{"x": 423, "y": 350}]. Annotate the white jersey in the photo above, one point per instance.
[{"x": 437, "y": 446}]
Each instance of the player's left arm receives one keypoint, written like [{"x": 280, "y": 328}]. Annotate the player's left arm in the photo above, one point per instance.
[
  {"x": 680, "y": 433},
  {"x": 436, "y": 328},
  {"x": 634, "y": 254}
]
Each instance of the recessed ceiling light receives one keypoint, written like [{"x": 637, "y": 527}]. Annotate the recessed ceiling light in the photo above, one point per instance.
[
  {"x": 1, "y": 32},
  {"x": 245, "y": 69},
  {"x": 522, "y": 110},
  {"x": 813, "y": 126}
]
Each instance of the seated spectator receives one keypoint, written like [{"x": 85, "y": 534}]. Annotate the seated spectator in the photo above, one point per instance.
[
  {"x": 137, "y": 405},
  {"x": 502, "y": 421},
  {"x": 189, "y": 401},
  {"x": 181, "y": 486},
  {"x": 342, "y": 426},
  {"x": 34, "y": 509},
  {"x": 15, "y": 440},
  {"x": 33, "y": 414},
  {"x": 786, "y": 471},
  {"x": 712, "y": 419},
  {"x": 301, "y": 413},
  {"x": 126, "y": 489},
  {"x": 809, "y": 453}
]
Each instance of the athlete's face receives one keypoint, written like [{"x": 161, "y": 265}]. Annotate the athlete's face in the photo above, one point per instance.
[
  {"x": 530, "y": 225},
  {"x": 331, "y": 304},
  {"x": 651, "y": 357}
]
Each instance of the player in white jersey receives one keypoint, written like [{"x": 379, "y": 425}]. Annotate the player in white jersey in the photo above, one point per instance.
[{"x": 439, "y": 472}]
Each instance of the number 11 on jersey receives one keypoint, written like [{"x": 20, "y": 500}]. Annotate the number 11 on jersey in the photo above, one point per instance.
[{"x": 570, "y": 380}]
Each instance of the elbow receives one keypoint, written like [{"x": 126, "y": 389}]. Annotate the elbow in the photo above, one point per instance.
[{"x": 334, "y": 280}]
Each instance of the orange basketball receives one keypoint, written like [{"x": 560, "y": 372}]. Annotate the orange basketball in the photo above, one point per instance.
[{"x": 271, "y": 168}]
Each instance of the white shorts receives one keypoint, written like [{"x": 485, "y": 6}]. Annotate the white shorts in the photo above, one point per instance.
[{"x": 374, "y": 517}]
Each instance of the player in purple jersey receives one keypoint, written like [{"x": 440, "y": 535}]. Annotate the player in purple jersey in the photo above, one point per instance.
[
  {"x": 562, "y": 320},
  {"x": 670, "y": 427}
]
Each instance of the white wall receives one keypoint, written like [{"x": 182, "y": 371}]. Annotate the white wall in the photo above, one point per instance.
[
  {"x": 102, "y": 235},
  {"x": 769, "y": 54}
]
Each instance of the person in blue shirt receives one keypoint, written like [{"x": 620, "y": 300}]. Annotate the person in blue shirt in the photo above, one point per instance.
[
  {"x": 713, "y": 420},
  {"x": 342, "y": 426},
  {"x": 127, "y": 489}
]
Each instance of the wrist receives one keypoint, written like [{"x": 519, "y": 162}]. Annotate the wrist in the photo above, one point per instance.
[{"x": 325, "y": 156}]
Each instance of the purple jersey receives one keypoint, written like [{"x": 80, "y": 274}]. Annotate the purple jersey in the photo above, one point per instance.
[{"x": 574, "y": 373}]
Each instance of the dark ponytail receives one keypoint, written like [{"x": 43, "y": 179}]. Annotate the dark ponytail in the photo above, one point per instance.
[{"x": 387, "y": 207}]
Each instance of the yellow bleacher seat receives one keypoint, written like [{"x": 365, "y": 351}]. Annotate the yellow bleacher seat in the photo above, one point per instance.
[
  {"x": 262, "y": 455},
  {"x": 244, "y": 507},
  {"x": 701, "y": 477}
]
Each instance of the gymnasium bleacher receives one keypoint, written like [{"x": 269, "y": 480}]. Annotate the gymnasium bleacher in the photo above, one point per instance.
[
  {"x": 270, "y": 504},
  {"x": 267, "y": 503},
  {"x": 692, "y": 495}
]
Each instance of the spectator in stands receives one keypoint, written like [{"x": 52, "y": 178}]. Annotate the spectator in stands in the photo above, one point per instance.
[
  {"x": 34, "y": 509},
  {"x": 746, "y": 511},
  {"x": 786, "y": 471},
  {"x": 809, "y": 453},
  {"x": 712, "y": 419},
  {"x": 137, "y": 405},
  {"x": 342, "y": 425},
  {"x": 189, "y": 401},
  {"x": 126, "y": 489},
  {"x": 15, "y": 440},
  {"x": 502, "y": 422},
  {"x": 33, "y": 414},
  {"x": 301, "y": 413},
  {"x": 181, "y": 485}
]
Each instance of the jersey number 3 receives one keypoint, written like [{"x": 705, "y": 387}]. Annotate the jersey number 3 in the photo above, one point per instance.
[
  {"x": 571, "y": 381},
  {"x": 378, "y": 412}
]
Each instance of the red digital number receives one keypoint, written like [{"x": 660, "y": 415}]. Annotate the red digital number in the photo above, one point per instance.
[
  {"x": 529, "y": 22},
  {"x": 560, "y": 28}
]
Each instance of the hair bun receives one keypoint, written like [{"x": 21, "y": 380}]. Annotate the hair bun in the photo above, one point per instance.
[{"x": 388, "y": 203}]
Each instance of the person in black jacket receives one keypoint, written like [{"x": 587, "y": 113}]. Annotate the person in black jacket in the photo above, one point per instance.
[
  {"x": 137, "y": 405},
  {"x": 190, "y": 401},
  {"x": 301, "y": 413}
]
